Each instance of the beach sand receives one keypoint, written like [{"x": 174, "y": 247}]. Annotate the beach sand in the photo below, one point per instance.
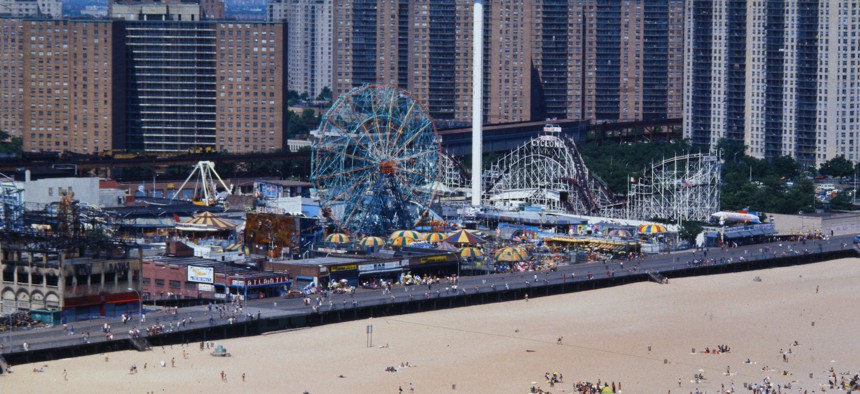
[{"x": 502, "y": 348}]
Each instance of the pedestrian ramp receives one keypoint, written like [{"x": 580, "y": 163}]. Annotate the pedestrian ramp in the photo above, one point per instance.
[
  {"x": 141, "y": 344},
  {"x": 658, "y": 277}
]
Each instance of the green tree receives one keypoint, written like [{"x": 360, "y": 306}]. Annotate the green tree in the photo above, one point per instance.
[
  {"x": 837, "y": 166},
  {"x": 325, "y": 94},
  {"x": 9, "y": 144},
  {"x": 690, "y": 230}
]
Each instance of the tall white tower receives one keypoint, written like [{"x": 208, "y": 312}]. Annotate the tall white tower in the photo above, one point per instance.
[{"x": 477, "y": 98}]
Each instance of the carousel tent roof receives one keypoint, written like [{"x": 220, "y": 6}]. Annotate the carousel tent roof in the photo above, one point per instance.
[
  {"x": 464, "y": 237},
  {"x": 206, "y": 221}
]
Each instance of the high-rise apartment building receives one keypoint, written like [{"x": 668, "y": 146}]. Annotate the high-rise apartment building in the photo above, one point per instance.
[
  {"x": 776, "y": 75},
  {"x": 251, "y": 104},
  {"x": 31, "y": 8},
  {"x": 143, "y": 85},
  {"x": 606, "y": 60},
  {"x": 71, "y": 86},
  {"x": 309, "y": 36},
  {"x": 12, "y": 76},
  {"x": 187, "y": 10}
]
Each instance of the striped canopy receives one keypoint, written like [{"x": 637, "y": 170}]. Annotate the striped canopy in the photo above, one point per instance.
[
  {"x": 471, "y": 252},
  {"x": 402, "y": 241},
  {"x": 652, "y": 229},
  {"x": 337, "y": 238},
  {"x": 511, "y": 254},
  {"x": 620, "y": 233},
  {"x": 238, "y": 247},
  {"x": 406, "y": 233},
  {"x": 206, "y": 221},
  {"x": 434, "y": 237},
  {"x": 463, "y": 237},
  {"x": 370, "y": 242}
]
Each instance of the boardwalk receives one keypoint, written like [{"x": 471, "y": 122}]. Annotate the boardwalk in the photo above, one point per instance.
[{"x": 265, "y": 315}]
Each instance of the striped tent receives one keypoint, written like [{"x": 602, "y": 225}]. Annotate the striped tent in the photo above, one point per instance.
[
  {"x": 652, "y": 229},
  {"x": 206, "y": 222},
  {"x": 511, "y": 255},
  {"x": 371, "y": 242},
  {"x": 406, "y": 233},
  {"x": 471, "y": 252},
  {"x": 447, "y": 247},
  {"x": 434, "y": 237},
  {"x": 337, "y": 238},
  {"x": 400, "y": 242},
  {"x": 463, "y": 237}
]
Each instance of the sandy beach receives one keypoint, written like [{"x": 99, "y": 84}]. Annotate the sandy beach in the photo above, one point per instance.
[{"x": 641, "y": 336}]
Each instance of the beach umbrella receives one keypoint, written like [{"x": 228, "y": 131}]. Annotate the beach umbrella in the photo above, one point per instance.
[
  {"x": 471, "y": 252},
  {"x": 371, "y": 242},
  {"x": 337, "y": 238},
  {"x": 402, "y": 241},
  {"x": 619, "y": 233},
  {"x": 434, "y": 237},
  {"x": 406, "y": 233},
  {"x": 652, "y": 229},
  {"x": 463, "y": 237},
  {"x": 510, "y": 255}
]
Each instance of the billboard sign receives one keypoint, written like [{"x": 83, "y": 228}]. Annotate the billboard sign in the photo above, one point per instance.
[{"x": 201, "y": 274}]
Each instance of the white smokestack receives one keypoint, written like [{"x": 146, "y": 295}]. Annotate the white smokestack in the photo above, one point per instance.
[{"x": 477, "y": 98}]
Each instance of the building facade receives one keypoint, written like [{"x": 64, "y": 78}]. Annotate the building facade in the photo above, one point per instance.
[
  {"x": 32, "y": 8},
  {"x": 11, "y": 76},
  {"x": 90, "y": 86},
  {"x": 777, "y": 76},
  {"x": 309, "y": 33},
  {"x": 71, "y": 86},
  {"x": 608, "y": 60}
]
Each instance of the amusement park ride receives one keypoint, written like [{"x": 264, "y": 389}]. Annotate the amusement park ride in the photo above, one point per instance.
[
  {"x": 376, "y": 161},
  {"x": 205, "y": 188}
]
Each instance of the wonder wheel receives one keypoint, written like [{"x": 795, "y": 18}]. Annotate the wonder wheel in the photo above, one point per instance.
[{"x": 376, "y": 161}]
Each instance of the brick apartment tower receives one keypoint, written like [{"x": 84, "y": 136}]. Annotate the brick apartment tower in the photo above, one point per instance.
[{"x": 89, "y": 86}]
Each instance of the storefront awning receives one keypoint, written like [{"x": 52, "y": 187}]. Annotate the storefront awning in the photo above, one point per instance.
[{"x": 380, "y": 271}]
